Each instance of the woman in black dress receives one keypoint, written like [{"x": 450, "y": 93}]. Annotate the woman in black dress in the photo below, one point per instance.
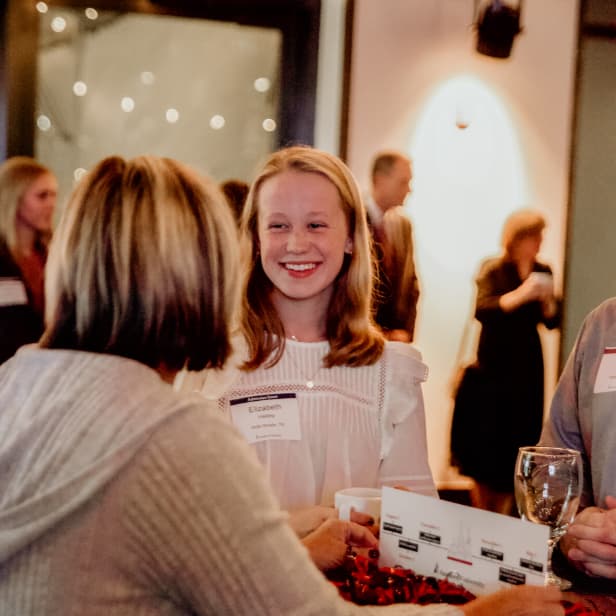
[{"x": 499, "y": 406}]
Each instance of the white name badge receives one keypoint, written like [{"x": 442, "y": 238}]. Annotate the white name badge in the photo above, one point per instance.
[
  {"x": 606, "y": 375},
  {"x": 481, "y": 550},
  {"x": 266, "y": 418},
  {"x": 12, "y": 292}
]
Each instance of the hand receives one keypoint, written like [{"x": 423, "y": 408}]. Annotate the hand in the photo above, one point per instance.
[
  {"x": 538, "y": 286},
  {"x": 304, "y": 521},
  {"x": 590, "y": 542},
  {"x": 327, "y": 545},
  {"x": 518, "y": 601}
]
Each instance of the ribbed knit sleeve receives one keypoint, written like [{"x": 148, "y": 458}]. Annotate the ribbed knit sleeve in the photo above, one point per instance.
[{"x": 199, "y": 517}]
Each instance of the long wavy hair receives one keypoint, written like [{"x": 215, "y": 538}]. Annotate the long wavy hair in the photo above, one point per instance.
[{"x": 353, "y": 338}]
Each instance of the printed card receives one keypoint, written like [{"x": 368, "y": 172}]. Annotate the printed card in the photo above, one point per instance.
[{"x": 481, "y": 550}]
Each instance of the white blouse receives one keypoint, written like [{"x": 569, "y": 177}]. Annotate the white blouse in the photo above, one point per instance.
[{"x": 358, "y": 427}]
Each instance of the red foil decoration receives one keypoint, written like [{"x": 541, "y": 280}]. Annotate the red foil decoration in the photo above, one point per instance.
[{"x": 362, "y": 581}]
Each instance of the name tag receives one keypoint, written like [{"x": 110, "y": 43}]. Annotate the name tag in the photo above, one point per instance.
[
  {"x": 266, "y": 418},
  {"x": 606, "y": 375},
  {"x": 12, "y": 292}
]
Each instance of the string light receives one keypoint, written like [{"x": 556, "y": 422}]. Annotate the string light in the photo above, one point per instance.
[
  {"x": 43, "y": 122},
  {"x": 91, "y": 13},
  {"x": 79, "y": 173},
  {"x": 80, "y": 88},
  {"x": 172, "y": 115},
  {"x": 58, "y": 24},
  {"x": 127, "y": 104},
  {"x": 262, "y": 84},
  {"x": 269, "y": 125},
  {"x": 42, "y": 7},
  {"x": 147, "y": 78},
  {"x": 217, "y": 122}
]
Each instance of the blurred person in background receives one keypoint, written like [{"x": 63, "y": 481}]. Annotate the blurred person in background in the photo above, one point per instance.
[
  {"x": 28, "y": 193},
  {"x": 499, "y": 402},
  {"x": 235, "y": 192},
  {"x": 396, "y": 289}
]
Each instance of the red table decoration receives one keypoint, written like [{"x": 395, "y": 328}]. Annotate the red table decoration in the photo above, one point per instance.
[{"x": 362, "y": 581}]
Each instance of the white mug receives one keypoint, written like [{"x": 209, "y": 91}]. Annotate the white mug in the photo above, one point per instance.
[{"x": 365, "y": 500}]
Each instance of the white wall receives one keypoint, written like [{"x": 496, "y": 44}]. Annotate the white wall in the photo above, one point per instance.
[{"x": 409, "y": 57}]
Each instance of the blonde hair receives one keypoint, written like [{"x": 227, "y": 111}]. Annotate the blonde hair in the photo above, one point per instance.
[
  {"x": 398, "y": 260},
  {"x": 354, "y": 340},
  {"x": 142, "y": 266},
  {"x": 521, "y": 224},
  {"x": 16, "y": 175}
]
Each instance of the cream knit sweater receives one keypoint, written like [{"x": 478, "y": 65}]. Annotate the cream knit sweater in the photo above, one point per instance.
[{"x": 119, "y": 496}]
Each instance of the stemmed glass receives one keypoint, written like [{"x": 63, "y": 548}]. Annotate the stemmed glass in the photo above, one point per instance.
[{"x": 548, "y": 485}]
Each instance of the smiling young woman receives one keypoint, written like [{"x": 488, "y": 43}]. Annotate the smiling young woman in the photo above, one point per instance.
[{"x": 324, "y": 400}]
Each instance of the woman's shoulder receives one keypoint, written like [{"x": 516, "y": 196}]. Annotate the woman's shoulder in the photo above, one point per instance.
[
  {"x": 491, "y": 265},
  {"x": 404, "y": 361},
  {"x": 601, "y": 321},
  {"x": 213, "y": 383}
]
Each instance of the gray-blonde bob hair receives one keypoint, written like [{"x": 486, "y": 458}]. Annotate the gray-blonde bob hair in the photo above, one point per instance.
[{"x": 142, "y": 265}]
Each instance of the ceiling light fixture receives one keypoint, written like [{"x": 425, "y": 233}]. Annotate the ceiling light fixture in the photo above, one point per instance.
[{"x": 497, "y": 24}]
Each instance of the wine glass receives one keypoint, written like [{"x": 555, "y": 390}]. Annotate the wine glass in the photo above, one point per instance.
[{"x": 548, "y": 485}]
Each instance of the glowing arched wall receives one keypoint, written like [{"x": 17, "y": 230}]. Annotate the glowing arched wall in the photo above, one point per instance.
[{"x": 415, "y": 73}]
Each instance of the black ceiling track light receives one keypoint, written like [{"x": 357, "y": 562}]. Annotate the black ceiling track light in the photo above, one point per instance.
[{"x": 497, "y": 24}]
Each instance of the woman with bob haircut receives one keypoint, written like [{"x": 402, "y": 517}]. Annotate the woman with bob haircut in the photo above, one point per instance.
[
  {"x": 353, "y": 405},
  {"x": 502, "y": 409},
  {"x": 27, "y": 201},
  {"x": 119, "y": 496}
]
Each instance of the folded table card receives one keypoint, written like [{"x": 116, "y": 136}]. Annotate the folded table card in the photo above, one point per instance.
[{"x": 481, "y": 550}]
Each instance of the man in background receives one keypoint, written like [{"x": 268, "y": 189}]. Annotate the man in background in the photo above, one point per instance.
[{"x": 396, "y": 286}]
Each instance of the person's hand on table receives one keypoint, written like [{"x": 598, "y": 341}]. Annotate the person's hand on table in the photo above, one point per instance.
[
  {"x": 304, "y": 521},
  {"x": 590, "y": 543},
  {"x": 328, "y": 544},
  {"x": 518, "y": 601}
]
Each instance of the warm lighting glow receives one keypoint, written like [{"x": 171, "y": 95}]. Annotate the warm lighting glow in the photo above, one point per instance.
[
  {"x": 172, "y": 115},
  {"x": 127, "y": 104},
  {"x": 465, "y": 183},
  {"x": 58, "y": 24},
  {"x": 262, "y": 84},
  {"x": 471, "y": 178},
  {"x": 42, "y": 7},
  {"x": 80, "y": 88},
  {"x": 91, "y": 13},
  {"x": 217, "y": 122},
  {"x": 43, "y": 122}
]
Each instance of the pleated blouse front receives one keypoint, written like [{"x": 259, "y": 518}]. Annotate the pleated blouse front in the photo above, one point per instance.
[{"x": 358, "y": 427}]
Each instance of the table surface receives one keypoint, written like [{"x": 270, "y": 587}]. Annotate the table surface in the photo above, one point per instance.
[{"x": 598, "y": 594}]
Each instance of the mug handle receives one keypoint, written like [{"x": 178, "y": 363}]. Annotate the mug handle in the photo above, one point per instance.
[{"x": 344, "y": 512}]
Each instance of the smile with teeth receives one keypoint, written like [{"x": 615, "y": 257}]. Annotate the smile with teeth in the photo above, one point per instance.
[{"x": 300, "y": 267}]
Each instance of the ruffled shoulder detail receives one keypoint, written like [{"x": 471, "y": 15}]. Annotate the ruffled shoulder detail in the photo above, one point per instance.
[{"x": 404, "y": 372}]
